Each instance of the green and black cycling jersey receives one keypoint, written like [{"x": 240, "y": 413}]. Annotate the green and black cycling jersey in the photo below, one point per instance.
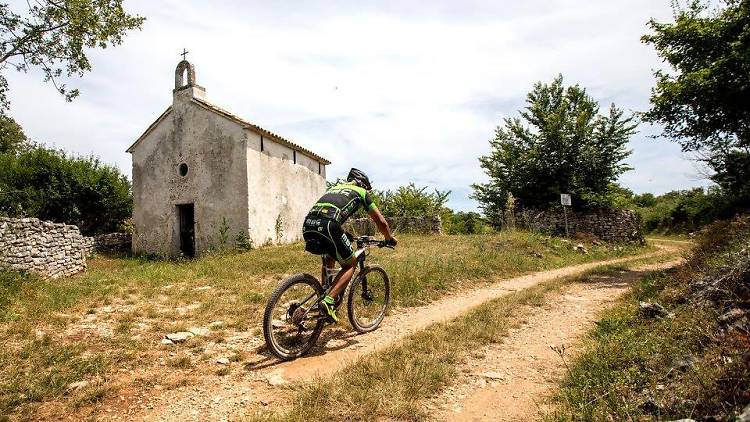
[
  {"x": 341, "y": 201},
  {"x": 323, "y": 231}
]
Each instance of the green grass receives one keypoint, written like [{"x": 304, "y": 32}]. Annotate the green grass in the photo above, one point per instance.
[
  {"x": 680, "y": 237},
  {"x": 40, "y": 369},
  {"x": 160, "y": 294}
]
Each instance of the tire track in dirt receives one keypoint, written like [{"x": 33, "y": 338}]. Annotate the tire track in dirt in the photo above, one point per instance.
[
  {"x": 242, "y": 394},
  {"x": 512, "y": 380}
]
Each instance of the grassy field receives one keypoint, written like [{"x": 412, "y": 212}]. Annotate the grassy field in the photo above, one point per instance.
[{"x": 110, "y": 319}]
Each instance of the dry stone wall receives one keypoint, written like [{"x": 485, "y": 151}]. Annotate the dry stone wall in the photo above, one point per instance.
[
  {"x": 612, "y": 225},
  {"x": 48, "y": 249},
  {"x": 418, "y": 225},
  {"x": 113, "y": 242}
]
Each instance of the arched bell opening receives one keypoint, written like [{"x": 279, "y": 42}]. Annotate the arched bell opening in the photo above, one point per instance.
[{"x": 179, "y": 75}]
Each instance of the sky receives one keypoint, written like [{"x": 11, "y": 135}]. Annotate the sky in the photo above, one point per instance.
[{"x": 408, "y": 91}]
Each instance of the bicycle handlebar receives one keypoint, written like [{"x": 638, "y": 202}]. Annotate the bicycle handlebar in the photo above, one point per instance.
[{"x": 369, "y": 241}]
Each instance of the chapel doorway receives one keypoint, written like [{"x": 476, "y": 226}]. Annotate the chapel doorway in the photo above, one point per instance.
[{"x": 186, "y": 215}]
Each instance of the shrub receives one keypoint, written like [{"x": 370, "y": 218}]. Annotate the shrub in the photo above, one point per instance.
[
  {"x": 465, "y": 223},
  {"x": 51, "y": 185},
  {"x": 411, "y": 201},
  {"x": 683, "y": 211}
]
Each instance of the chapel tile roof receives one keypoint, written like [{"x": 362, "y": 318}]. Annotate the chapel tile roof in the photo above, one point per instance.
[
  {"x": 255, "y": 128},
  {"x": 259, "y": 130}
]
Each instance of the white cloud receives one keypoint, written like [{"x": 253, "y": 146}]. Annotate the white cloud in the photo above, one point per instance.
[{"x": 407, "y": 90}]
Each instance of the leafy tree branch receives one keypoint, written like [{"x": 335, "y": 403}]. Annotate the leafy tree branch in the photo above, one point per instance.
[{"x": 54, "y": 36}]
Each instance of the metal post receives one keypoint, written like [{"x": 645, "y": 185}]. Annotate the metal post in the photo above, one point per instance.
[{"x": 565, "y": 213}]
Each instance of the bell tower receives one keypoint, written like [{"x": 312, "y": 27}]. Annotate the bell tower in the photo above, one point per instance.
[{"x": 186, "y": 89}]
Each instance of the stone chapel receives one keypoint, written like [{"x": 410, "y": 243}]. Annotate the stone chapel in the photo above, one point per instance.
[{"x": 205, "y": 178}]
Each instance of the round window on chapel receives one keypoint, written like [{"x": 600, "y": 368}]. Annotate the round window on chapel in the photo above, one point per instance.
[{"x": 183, "y": 169}]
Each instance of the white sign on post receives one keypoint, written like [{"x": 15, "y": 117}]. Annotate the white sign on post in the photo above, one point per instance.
[{"x": 565, "y": 201}]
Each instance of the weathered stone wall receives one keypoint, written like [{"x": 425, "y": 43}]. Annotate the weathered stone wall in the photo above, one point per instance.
[
  {"x": 89, "y": 246},
  {"x": 612, "y": 225},
  {"x": 419, "y": 225},
  {"x": 113, "y": 242},
  {"x": 48, "y": 249}
]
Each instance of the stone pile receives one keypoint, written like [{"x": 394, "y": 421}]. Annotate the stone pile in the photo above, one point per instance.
[
  {"x": 48, "y": 249},
  {"x": 418, "y": 225},
  {"x": 612, "y": 225}
]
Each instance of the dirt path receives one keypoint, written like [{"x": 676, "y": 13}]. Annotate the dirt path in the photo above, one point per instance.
[
  {"x": 511, "y": 381},
  {"x": 243, "y": 393}
]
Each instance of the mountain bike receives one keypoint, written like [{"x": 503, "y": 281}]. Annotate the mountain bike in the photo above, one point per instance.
[{"x": 292, "y": 321}]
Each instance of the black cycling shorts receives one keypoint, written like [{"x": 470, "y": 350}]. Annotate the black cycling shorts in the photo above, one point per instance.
[{"x": 327, "y": 237}]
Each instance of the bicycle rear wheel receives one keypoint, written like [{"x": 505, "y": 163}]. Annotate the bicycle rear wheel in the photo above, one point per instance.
[
  {"x": 291, "y": 322},
  {"x": 369, "y": 296}
]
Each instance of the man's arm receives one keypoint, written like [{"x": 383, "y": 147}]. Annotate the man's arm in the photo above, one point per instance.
[{"x": 379, "y": 220}]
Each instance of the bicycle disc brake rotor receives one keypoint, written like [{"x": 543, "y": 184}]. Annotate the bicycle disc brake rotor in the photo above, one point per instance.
[
  {"x": 366, "y": 293},
  {"x": 367, "y": 296},
  {"x": 297, "y": 315},
  {"x": 294, "y": 312}
]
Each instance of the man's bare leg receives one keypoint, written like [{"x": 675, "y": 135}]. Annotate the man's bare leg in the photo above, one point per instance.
[
  {"x": 341, "y": 280},
  {"x": 328, "y": 303},
  {"x": 328, "y": 263}
]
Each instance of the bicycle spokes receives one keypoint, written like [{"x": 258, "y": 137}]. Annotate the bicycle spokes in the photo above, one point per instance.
[
  {"x": 293, "y": 319},
  {"x": 370, "y": 299}
]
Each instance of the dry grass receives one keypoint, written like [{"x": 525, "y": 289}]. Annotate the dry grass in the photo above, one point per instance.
[{"x": 113, "y": 316}]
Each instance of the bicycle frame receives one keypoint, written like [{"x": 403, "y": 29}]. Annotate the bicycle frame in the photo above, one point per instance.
[{"x": 329, "y": 274}]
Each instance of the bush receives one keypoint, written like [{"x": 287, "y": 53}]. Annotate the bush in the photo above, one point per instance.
[
  {"x": 411, "y": 201},
  {"x": 465, "y": 223},
  {"x": 683, "y": 211},
  {"x": 52, "y": 185}
]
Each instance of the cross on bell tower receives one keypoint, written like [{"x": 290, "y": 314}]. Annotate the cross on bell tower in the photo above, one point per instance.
[{"x": 184, "y": 54}]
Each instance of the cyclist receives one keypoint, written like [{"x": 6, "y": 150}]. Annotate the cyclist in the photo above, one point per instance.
[{"x": 324, "y": 234}]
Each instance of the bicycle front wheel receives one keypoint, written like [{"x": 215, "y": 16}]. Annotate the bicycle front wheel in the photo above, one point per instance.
[
  {"x": 291, "y": 322},
  {"x": 369, "y": 296}
]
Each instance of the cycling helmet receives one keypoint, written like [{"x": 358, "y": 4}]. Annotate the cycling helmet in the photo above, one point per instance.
[{"x": 360, "y": 178}]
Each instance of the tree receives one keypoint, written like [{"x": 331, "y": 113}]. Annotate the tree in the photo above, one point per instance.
[
  {"x": 732, "y": 175},
  {"x": 703, "y": 101},
  {"x": 12, "y": 138},
  {"x": 52, "y": 35},
  {"x": 411, "y": 201},
  {"x": 50, "y": 185},
  {"x": 559, "y": 144},
  {"x": 465, "y": 223},
  {"x": 644, "y": 200},
  {"x": 620, "y": 197}
]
